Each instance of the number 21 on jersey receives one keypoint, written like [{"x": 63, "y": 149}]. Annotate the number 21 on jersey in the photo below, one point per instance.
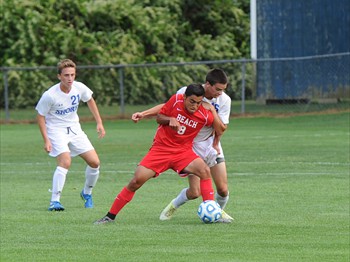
[{"x": 75, "y": 99}]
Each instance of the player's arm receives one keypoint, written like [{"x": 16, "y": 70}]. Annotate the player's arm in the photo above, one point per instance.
[
  {"x": 42, "y": 126},
  {"x": 167, "y": 120},
  {"x": 218, "y": 126},
  {"x": 217, "y": 137},
  {"x": 224, "y": 117},
  {"x": 216, "y": 143},
  {"x": 94, "y": 110},
  {"x": 147, "y": 113},
  {"x": 219, "y": 129}
]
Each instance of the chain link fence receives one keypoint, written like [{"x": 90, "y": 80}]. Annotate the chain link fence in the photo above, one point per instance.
[{"x": 259, "y": 86}]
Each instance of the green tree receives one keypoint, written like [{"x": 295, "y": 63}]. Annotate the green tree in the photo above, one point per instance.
[{"x": 91, "y": 32}]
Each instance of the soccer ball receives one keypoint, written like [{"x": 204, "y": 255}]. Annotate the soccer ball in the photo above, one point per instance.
[{"x": 209, "y": 211}]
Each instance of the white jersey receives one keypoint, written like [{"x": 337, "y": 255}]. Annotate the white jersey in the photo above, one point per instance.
[
  {"x": 222, "y": 104},
  {"x": 60, "y": 109}
]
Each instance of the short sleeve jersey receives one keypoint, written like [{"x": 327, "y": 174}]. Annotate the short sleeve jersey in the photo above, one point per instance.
[
  {"x": 191, "y": 124},
  {"x": 222, "y": 104},
  {"x": 60, "y": 109}
]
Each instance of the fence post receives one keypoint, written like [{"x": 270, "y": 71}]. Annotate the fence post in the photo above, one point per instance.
[
  {"x": 121, "y": 90},
  {"x": 6, "y": 97},
  {"x": 243, "y": 88}
]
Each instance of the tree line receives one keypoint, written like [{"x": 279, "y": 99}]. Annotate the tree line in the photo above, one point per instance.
[{"x": 96, "y": 32}]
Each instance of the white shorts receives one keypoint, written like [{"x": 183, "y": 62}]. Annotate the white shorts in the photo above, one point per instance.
[
  {"x": 68, "y": 139},
  {"x": 206, "y": 151}
]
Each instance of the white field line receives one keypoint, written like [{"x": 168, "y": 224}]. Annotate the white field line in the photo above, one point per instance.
[
  {"x": 346, "y": 134},
  {"x": 227, "y": 162},
  {"x": 291, "y": 163},
  {"x": 290, "y": 174},
  {"x": 229, "y": 174},
  {"x": 70, "y": 171},
  {"x": 131, "y": 171}
]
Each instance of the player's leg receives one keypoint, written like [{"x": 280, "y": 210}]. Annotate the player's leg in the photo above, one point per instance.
[
  {"x": 141, "y": 176},
  {"x": 200, "y": 169},
  {"x": 219, "y": 176},
  {"x": 60, "y": 150},
  {"x": 200, "y": 182},
  {"x": 193, "y": 191},
  {"x": 80, "y": 145},
  {"x": 58, "y": 181},
  {"x": 92, "y": 173},
  {"x": 190, "y": 193}
]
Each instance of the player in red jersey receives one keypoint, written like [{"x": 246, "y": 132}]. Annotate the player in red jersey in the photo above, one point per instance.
[{"x": 180, "y": 120}]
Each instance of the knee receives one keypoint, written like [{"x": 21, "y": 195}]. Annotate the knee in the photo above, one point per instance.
[
  {"x": 65, "y": 163},
  {"x": 94, "y": 164},
  {"x": 222, "y": 191},
  {"x": 134, "y": 185},
  {"x": 221, "y": 186},
  {"x": 205, "y": 172}
]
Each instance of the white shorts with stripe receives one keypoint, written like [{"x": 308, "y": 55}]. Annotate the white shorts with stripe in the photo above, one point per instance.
[
  {"x": 68, "y": 139},
  {"x": 206, "y": 151}
]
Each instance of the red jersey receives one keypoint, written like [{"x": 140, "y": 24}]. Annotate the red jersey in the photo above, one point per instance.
[{"x": 191, "y": 124}]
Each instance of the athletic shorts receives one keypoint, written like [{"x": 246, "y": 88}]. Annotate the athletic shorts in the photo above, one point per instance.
[
  {"x": 206, "y": 151},
  {"x": 68, "y": 139},
  {"x": 160, "y": 159}
]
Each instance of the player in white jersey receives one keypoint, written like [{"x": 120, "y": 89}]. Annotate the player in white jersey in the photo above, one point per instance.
[
  {"x": 63, "y": 137},
  {"x": 206, "y": 145}
]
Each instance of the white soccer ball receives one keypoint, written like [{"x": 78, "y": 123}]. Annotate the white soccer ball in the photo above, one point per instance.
[{"x": 209, "y": 211}]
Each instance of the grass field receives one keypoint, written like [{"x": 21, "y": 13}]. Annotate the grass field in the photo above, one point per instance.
[
  {"x": 250, "y": 108},
  {"x": 288, "y": 178}
]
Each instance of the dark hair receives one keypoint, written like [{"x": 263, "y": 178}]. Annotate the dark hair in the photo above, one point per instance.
[
  {"x": 195, "y": 89},
  {"x": 215, "y": 76}
]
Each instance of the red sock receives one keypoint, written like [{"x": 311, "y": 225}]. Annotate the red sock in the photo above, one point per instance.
[
  {"x": 207, "y": 190},
  {"x": 121, "y": 200}
]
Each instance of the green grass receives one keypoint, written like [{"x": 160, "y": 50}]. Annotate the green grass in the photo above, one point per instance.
[{"x": 288, "y": 178}]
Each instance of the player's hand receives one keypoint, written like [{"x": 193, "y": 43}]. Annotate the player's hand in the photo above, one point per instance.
[
  {"x": 136, "y": 117},
  {"x": 100, "y": 131},
  {"x": 217, "y": 148},
  {"x": 47, "y": 146},
  {"x": 210, "y": 159},
  {"x": 206, "y": 105},
  {"x": 212, "y": 109},
  {"x": 174, "y": 124}
]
